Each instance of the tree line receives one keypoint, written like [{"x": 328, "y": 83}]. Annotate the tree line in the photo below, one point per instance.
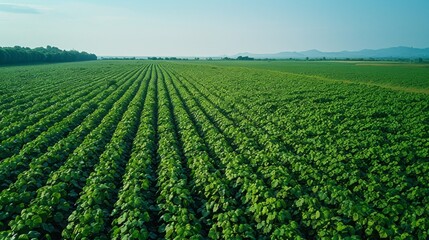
[
  {"x": 22, "y": 55},
  {"x": 167, "y": 58},
  {"x": 240, "y": 58}
]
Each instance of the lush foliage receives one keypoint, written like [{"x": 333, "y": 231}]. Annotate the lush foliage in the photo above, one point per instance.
[
  {"x": 19, "y": 55},
  {"x": 219, "y": 150}
]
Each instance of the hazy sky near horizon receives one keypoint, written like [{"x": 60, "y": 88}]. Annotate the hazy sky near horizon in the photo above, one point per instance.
[{"x": 213, "y": 28}]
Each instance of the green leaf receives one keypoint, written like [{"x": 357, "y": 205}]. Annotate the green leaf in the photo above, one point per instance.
[
  {"x": 299, "y": 202},
  {"x": 166, "y": 217},
  {"x": 23, "y": 237},
  {"x": 146, "y": 217},
  {"x": 36, "y": 220},
  {"x": 168, "y": 231},
  {"x": 33, "y": 234},
  {"x": 213, "y": 234},
  {"x": 317, "y": 215},
  {"x": 122, "y": 219},
  {"x": 341, "y": 226}
]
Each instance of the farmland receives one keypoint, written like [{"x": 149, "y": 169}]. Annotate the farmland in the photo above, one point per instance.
[{"x": 214, "y": 149}]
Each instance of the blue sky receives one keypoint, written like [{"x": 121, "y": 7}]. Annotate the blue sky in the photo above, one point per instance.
[{"x": 212, "y": 28}]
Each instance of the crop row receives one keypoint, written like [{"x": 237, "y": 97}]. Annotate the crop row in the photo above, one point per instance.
[
  {"x": 40, "y": 84},
  {"x": 220, "y": 211},
  {"x": 14, "y": 139},
  {"x": 135, "y": 212},
  {"x": 20, "y": 193},
  {"x": 47, "y": 213},
  {"x": 91, "y": 218},
  {"x": 20, "y": 116},
  {"x": 12, "y": 166},
  {"x": 36, "y": 85},
  {"x": 175, "y": 200},
  {"x": 325, "y": 183},
  {"x": 267, "y": 211},
  {"x": 196, "y": 151}
]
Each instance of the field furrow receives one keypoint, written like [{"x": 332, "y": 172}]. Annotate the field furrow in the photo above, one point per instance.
[
  {"x": 135, "y": 213},
  {"x": 323, "y": 191},
  {"x": 177, "y": 206},
  {"x": 267, "y": 207},
  {"x": 221, "y": 212},
  {"x": 150, "y": 149},
  {"x": 55, "y": 201},
  {"x": 64, "y": 112},
  {"x": 288, "y": 160},
  {"x": 101, "y": 189},
  {"x": 21, "y": 192},
  {"x": 15, "y": 95},
  {"x": 37, "y": 89},
  {"x": 19, "y": 117}
]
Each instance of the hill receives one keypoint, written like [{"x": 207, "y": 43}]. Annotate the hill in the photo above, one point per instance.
[{"x": 384, "y": 53}]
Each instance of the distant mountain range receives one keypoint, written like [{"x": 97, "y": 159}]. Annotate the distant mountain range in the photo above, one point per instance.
[{"x": 384, "y": 53}]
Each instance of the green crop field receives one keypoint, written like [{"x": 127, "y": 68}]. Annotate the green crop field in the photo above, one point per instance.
[{"x": 214, "y": 149}]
